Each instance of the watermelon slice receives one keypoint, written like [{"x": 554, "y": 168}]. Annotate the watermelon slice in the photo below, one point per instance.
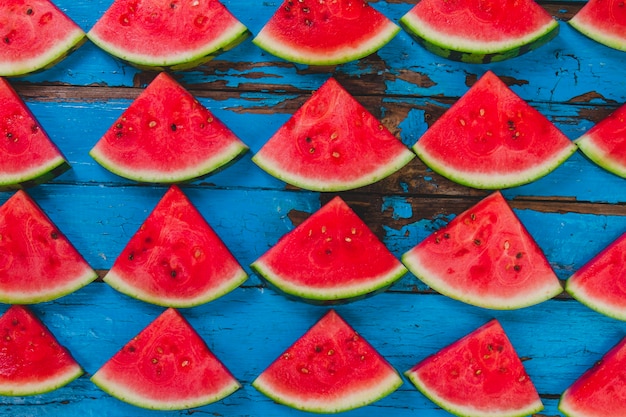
[
  {"x": 31, "y": 359},
  {"x": 600, "y": 284},
  {"x": 165, "y": 136},
  {"x": 485, "y": 257},
  {"x": 603, "y": 21},
  {"x": 605, "y": 143},
  {"x": 479, "y": 31},
  {"x": 28, "y": 156},
  {"x": 167, "y": 366},
  {"x": 35, "y": 36},
  {"x": 332, "y": 143},
  {"x": 600, "y": 391},
  {"x": 174, "y": 35},
  {"x": 37, "y": 262},
  {"x": 175, "y": 259},
  {"x": 330, "y": 369},
  {"x": 331, "y": 257},
  {"x": 315, "y": 32},
  {"x": 492, "y": 139},
  {"x": 479, "y": 375}
]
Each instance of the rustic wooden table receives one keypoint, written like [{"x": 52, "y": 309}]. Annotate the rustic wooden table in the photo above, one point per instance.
[{"x": 572, "y": 213}]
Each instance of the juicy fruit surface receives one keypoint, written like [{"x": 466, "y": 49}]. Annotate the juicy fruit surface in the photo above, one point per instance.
[
  {"x": 605, "y": 143},
  {"x": 173, "y": 34},
  {"x": 603, "y": 21},
  {"x": 35, "y": 35},
  {"x": 175, "y": 258},
  {"x": 332, "y": 143},
  {"x": 31, "y": 359},
  {"x": 480, "y": 31},
  {"x": 332, "y": 255},
  {"x": 485, "y": 257},
  {"x": 167, "y": 366},
  {"x": 330, "y": 369},
  {"x": 599, "y": 392},
  {"x": 37, "y": 262},
  {"x": 492, "y": 139},
  {"x": 477, "y": 376},
  {"x": 325, "y": 33},
  {"x": 166, "y": 135},
  {"x": 28, "y": 154},
  {"x": 601, "y": 282}
]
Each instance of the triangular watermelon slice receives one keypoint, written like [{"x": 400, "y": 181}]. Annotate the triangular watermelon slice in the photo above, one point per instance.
[
  {"x": 330, "y": 257},
  {"x": 330, "y": 369},
  {"x": 492, "y": 139},
  {"x": 175, "y": 34},
  {"x": 31, "y": 359},
  {"x": 175, "y": 259},
  {"x": 601, "y": 390},
  {"x": 485, "y": 257},
  {"x": 35, "y": 36},
  {"x": 167, "y": 366},
  {"x": 600, "y": 284},
  {"x": 166, "y": 136},
  {"x": 37, "y": 262},
  {"x": 603, "y": 21},
  {"x": 479, "y": 31},
  {"x": 479, "y": 375},
  {"x": 332, "y": 143},
  {"x": 605, "y": 143},
  {"x": 317, "y": 32},
  {"x": 27, "y": 156}
]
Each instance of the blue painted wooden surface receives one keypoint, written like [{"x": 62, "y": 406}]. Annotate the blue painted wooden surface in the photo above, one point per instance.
[{"x": 573, "y": 213}]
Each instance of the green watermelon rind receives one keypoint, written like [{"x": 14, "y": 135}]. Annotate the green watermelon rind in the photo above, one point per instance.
[
  {"x": 332, "y": 296},
  {"x": 579, "y": 294},
  {"x": 35, "y": 176},
  {"x": 460, "y": 410},
  {"x": 265, "y": 41},
  {"x": 73, "y": 41},
  {"x": 494, "y": 180},
  {"x": 119, "y": 283},
  {"x": 597, "y": 34},
  {"x": 471, "y": 51},
  {"x": 216, "y": 163},
  {"x": 121, "y": 392},
  {"x": 586, "y": 144},
  {"x": 43, "y": 387},
  {"x": 185, "y": 60},
  {"x": 384, "y": 386},
  {"x": 329, "y": 185},
  {"x": 431, "y": 278}
]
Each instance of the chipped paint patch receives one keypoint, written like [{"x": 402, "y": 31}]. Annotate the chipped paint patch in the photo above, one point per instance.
[{"x": 400, "y": 207}]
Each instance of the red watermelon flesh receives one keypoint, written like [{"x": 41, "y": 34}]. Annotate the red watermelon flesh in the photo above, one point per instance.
[
  {"x": 492, "y": 139},
  {"x": 600, "y": 391},
  {"x": 331, "y": 257},
  {"x": 485, "y": 257},
  {"x": 37, "y": 262},
  {"x": 27, "y": 155},
  {"x": 31, "y": 359},
  {"x": 601, "y": 282},
  {"x": 167, "y": 366},
  {"x": 176, "y": 35},
  {"x": 330, "y": 369},
  {"x": 35, "y": 35},
  {"x": 605, "y": 143},
  {"x": 175, "y": 258},
  {"x": 325, "y": 33},
  {"x": 479, "y": 375},
  {"x": 480, "y": 31},
  {"x": 332, "y": 143},
  {"x": 166, "y": 136},
  {"x": 603, "y": 21}
]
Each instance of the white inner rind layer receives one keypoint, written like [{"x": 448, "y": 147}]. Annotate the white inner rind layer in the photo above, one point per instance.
[
  {"x": 462, "y": 43},
  {"x": 587, "y": 144},
  {"x": 56, "y": 381},
  {"x": 375, "y": 390},
  {"x": 32, "y": 173},
  {"x": 598, "y": 34},
  {"x": 295, "y": 53}
]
